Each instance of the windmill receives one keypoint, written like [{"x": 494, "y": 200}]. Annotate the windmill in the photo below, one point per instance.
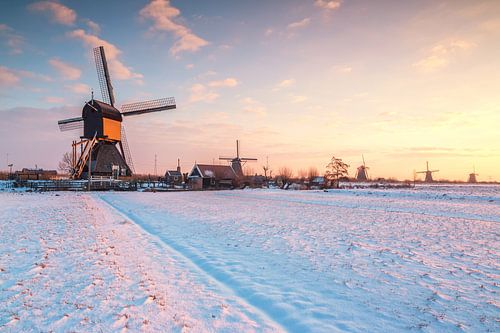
[
  {"x": 472, "y": 176},
  {"x": 103, "y": 130},
  {"x": 361, "y": 172},
  {"x": 428, "y": 174},
  {"x": 236, "y": 161}
]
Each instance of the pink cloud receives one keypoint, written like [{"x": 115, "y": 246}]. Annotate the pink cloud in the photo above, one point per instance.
[
  {"x": 229, "y": 82},
  {"x": 117, "y": 68},
  {"x": 330, "y": 5},
  {"x": 79, "y": 88},
  {"x": 59, "y": 13},
  {"x": 8, "y": 77},
  {"x": 66, "y": 71},
  {"x": 163, "y": 14},
  {"x": 13, "y": 40},
  {"x": 200, "y": 93},
  {"x": 54, "y": 100},
  {"x": 299, "y": 24}
]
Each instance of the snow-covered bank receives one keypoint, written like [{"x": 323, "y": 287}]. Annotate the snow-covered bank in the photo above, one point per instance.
[
  {"x": 377, "y": 261},
  {"x": 70, "y": 263}
]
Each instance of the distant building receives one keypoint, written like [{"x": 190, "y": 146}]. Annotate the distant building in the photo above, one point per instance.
[
  {"x": 35, "y": 174},
  {"x": 318, "y": 182},
  {"x": 174, "y": 177},
  {"x": 206, "y": 176}
]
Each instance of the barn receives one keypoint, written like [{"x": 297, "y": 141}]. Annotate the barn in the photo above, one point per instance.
[{"x": 206, "y": 176}]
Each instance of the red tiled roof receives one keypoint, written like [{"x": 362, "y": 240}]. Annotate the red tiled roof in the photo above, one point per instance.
[{"x": 216, "y": 171}]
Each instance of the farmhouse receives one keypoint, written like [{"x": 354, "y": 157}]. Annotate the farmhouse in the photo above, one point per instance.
[
  {"x": 174, "y": 177},
  {"x": 206, "y": 176}
]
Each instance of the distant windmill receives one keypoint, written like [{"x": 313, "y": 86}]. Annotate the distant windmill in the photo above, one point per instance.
[
  {"x": 428, "y": 174},
  {"x": 361, "y": 172},
  {"x": 472, "y": 176},
  {"x": 236, "y": 161}
]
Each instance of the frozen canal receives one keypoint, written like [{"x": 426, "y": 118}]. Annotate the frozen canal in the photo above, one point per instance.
[{"x": 347, "y": 261}]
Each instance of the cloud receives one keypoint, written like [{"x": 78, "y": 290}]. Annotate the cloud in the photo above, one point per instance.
[
  {"x": 117, "y": 68},
  {"x": 229, "y": 82},
  {"x": 298, "y": 99},
  {"x": 54, "y": 100},
  {"x": 34, "y": 76},
  {"x": 342, "y": 69},
  {"x": 441, "y": 55},
  {"x": 13, "y": 40},
  {"x": 253, "y": 106},
  {"x": 66, "y": 71},
  {"x": 79, "y": 88},
  {"x": 94, "y": 28},
  {"x": 8, "y": 77},
  {"x": 268, "y": 32},
  {"x": 59, "y": 13},
  {"x": 299, "y": 24},
  {"x": 285, "y": 84},
  {"x": 199, "y": 92},
  {"x": 325, "y": 4},
  {"x": 189, "y": 66},
  {"x": 163, "y": 14}
]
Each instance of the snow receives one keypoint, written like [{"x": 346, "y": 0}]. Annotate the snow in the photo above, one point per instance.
[{"x": 254, "y": 260}]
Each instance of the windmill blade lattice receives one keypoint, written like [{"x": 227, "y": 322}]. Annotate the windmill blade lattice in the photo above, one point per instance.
[
  {"x": 126, "y": 149},
  {"x": 148, "y": 106},
  {"x": 103, "y": 75},
  {"x": 70, "y": 124}
]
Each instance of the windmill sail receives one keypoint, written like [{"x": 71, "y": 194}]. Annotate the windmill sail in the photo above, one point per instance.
[
  {"x": 126, "y": 150},
  {"x": 103, "y": 75},
  {"x": 148, "y": 106},
  {"x": 70, "y": 124}
]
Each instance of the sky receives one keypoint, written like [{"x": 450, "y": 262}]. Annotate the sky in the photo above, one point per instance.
[{"x": 297, "y": 82}]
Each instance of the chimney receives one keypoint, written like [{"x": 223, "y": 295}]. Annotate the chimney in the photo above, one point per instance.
[{"x": 178, "y": 165}]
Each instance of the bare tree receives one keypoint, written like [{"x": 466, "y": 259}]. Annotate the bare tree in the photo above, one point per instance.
[
  {"x": 285, "y": 174},
  {"x": 312, "y": 173},
  {"x": 302, "y": 174},
  {"x": 335, "y": 170},
  {"x": 266, "y": 169},
  {"x": 248, "y": 171},
  {"x": 66, "y": 164}
]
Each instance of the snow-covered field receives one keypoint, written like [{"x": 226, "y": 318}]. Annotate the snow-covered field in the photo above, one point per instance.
[{"x": 424, "y": 259}]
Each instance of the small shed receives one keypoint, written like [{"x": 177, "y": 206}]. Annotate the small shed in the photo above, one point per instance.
[
  {"x": 206, "y": 176},
  {"x": 174, "y": 177}
]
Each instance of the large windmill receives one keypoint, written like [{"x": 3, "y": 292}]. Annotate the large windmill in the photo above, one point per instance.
[
  {"x": 236, "y": 161},
  {"x": 362, "y": 171},
  {"x": 472, "y": 176},
  {"x": 428, "y": 174},
  {"x": 103, "y": 130}
]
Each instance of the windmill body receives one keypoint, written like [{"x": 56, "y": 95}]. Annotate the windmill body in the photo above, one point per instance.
[
  {"x": 103, "y": 146},
  {"x": 428, "y": 174},
  {"x": 237, "y": 162},
  {"x": 472, "y": 176},
  {"x": 362, "y": 172}
]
